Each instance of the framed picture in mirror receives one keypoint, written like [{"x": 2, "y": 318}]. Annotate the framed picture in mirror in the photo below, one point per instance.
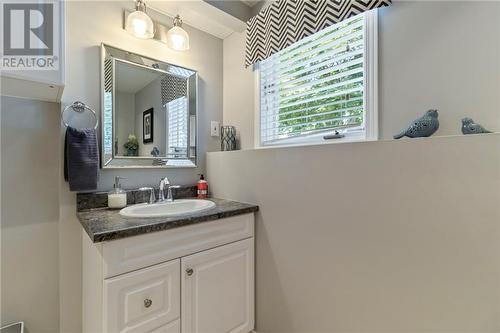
[{"x": 147, "y": 126}]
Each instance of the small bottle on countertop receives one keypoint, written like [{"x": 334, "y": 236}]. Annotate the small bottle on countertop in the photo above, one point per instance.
[
  {"x": 117, "y": 198},
  {"x": 202, "y": 186}
]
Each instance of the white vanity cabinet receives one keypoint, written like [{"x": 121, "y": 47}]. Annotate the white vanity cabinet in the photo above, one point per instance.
[
  {"x": 217, "y": 289},
  {"x": 197, "y": 278}
]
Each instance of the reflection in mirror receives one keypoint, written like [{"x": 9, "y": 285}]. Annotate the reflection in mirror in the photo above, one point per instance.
[{"x": 149, "y": 112}]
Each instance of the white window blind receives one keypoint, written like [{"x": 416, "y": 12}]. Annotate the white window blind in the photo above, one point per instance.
[
  {"x": 177, "y": 127},
  {"x": 108, "y": 124},
  {"x": 315, "y": 86}
]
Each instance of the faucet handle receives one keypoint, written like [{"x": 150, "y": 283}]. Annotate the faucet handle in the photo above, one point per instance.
[
  {"x": 152, "y": 197},
  {"x": 170, "y": 196}
]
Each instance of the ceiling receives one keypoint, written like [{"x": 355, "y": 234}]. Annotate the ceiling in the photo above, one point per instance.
[
  {"x": 251, "y": 3},
  {"x": 200, "y": 15},
  {"x": 219, "y": 18}
]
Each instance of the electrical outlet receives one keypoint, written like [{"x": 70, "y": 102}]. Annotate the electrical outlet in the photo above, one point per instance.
[{"x": 214, "y": 128}]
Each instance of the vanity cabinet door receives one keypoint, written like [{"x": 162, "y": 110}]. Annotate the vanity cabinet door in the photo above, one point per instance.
[
  {"x": 147, "y": 300},
  {"x": 218, "y": 289}
]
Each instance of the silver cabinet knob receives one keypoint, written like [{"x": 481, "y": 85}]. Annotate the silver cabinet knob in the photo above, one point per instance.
[
  {"x": 189, "y": 271},
  {"x": 147, "y": 302}
]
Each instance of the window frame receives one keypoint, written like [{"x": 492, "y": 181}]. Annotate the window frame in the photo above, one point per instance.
[{"x": 370, "y": 98}]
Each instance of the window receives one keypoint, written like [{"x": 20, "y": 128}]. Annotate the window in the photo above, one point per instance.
[
  {"x": 321, "y": 84},
  {"x": 108, "y": 124},
  {"x": 177, "y": 128}
]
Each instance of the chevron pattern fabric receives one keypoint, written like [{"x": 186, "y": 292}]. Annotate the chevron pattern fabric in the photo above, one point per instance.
[
  {"x": 285, "y": 22},
  {"x": 108, "y": 75},
  {"x": 172, "y": 87}
]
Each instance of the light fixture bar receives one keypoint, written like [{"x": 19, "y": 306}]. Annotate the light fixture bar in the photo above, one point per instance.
[{"x": 161, "y": 31}]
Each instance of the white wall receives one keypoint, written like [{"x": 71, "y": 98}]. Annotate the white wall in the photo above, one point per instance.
[
  {"x": 88, "y": 25},
  {"x": 125, "y": 121},
  {"x": 238, "y": 86},
  {"x": 30, "y": 146},
  {"x": 443, "y": 55},
  {"x": 432, "y": 54},
  {"x": 387, "y": 236}
]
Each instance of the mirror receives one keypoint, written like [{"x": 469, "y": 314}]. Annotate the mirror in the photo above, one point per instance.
[{"x": 149, "y": 111}]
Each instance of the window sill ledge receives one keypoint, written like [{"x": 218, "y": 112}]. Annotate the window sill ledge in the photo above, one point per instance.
[
  {"x": 318, "y": 141},
  {"x": 405, "y": 141}
]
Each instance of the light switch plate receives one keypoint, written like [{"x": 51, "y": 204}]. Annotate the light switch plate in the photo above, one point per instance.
[{"x": 214, "y": 128}]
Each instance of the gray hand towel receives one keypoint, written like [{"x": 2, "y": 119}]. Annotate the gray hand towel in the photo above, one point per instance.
[{"x": 81, "y": 159}]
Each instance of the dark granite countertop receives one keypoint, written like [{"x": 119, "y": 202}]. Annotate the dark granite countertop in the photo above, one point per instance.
[{"x": 102, "y": 224}]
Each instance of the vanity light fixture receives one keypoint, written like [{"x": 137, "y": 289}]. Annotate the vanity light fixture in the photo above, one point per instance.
[
  {"x": 178, "y": 38},
  {"x": 138, "y": 23}
]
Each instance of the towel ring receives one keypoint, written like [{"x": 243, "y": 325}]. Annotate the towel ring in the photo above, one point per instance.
[{"x": 79, "y": 107}]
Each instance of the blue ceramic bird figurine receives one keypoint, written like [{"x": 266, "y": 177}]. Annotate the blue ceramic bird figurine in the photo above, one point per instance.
[
  {"x": 424, "y": 126},
  {"x": 469, "y": 127},
  {"x": 155, "y": 152}
]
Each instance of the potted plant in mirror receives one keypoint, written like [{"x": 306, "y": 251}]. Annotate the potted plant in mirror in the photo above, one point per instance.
[{"x": 132, "y": 145}]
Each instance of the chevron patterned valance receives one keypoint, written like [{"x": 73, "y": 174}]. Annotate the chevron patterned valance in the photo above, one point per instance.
[
  {"x": 172, "y": 87},
  {"x": 285, "y": 22}
]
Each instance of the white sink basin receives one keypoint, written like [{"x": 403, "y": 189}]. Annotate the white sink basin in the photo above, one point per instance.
[{"x": 167, "y": 209}]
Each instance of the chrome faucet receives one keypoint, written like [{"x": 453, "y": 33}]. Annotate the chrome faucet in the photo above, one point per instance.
[{"x": 164, "y": 182}]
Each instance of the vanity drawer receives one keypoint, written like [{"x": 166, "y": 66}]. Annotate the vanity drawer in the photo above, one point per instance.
[
  {"x": 173, "y": 327},
  {"x": 128, "y": 254},
  {"x": 146, "y": 300}
]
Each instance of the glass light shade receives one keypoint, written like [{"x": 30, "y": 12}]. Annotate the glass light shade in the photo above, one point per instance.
[
  {"x": 178, "y": 39},
  {"x": 140, "y": 25}
]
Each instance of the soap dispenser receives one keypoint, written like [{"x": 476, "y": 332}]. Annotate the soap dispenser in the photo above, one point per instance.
[
  {"x": 117, "y": 198},
  {"x": 202, "y": 187}
]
